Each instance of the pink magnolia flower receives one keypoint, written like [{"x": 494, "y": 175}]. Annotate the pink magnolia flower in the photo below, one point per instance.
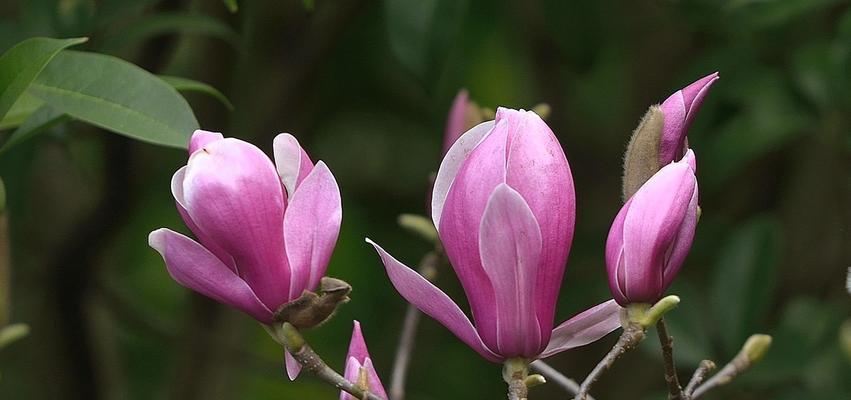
[
  {"x": 652, "y": 234},
  {"x": 457, "y": 121},
  {"x": 504, "y": 205},
  {"x": 265, "y": 231},
  {"x": 359, "y": 368},
  {"x": 679, "y": 110}
]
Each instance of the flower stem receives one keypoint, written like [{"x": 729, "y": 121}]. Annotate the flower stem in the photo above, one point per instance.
[
  {"x": 675, "y": 391},
  {"x": 311, "y": 362},
  {"x": 514, "y": 372},
  {"x": 753, "y": 350},
  {"x": 699, "y": 375},
  {"x": 632, "y": 335}
]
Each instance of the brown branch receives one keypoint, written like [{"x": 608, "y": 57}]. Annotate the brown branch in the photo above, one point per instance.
[
  {"x": 632, "y": 335},
  {"x": 675, "y": 391},
  {"x": 753, "y": 350},
  {"x": 699, "y": 375},
  {"x": 427, "y": 268}
]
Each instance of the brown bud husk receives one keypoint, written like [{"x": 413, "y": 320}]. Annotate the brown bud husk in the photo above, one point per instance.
[
  {"x": 641, "y": 159},
  {"x": 314, "y": 308}
]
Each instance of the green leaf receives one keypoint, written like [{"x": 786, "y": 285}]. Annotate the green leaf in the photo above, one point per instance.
[
  {"x": 21, "y": 64},
  {"x": 189, "y": 85},
  {"x": 41, "y": 120},
  {"x": 745, "y": 279},
  {"x": 231, "y": 5},
  {"x": 20, "y": 111},
  {"x": 116, "y": 95},
  {"x": 165, "y": 23}
]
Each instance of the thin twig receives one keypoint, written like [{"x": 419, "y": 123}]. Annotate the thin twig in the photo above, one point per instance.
[
  {"x": 675, "y": 391},
  {"x": 632, "y": 335},
  {"x": 698, "y": 377},
  {"x": 311, "y": 362},
  {"x": 554, "y": 375},
  {"x": 427, "y": 268},
  {"x": 752, "y": 351}
]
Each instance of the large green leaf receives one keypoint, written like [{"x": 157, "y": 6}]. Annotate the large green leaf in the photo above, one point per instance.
[
  {"x": 21, "y": 64},
  {"x": 116, "y": 95},
  {"x": 745, "y": 278},
  {"x": 189, "y": 85},
  {"x": 20, "y": 111},
  {"x": 40, "y": 120}
]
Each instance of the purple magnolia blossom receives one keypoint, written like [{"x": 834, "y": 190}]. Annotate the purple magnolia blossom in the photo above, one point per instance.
[
  {"x": 652, "y": 234},
  {"x": 679, "y": 110},
  {"x": 265, "y": 231},
  {"x": 504, "y": 207},
  {"x": 359, "y": 368}
]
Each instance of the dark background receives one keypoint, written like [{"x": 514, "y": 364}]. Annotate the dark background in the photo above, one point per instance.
[{"x": 365, "y": 85}]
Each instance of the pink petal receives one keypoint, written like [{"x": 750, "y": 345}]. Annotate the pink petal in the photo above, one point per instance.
[
  {"x": 682, "y": 243},
  {"x": 510, "y": 246},
  {"x": 293, "y": 366},
  {"x": 679, "y": 110},
  {"x": 614, "y": 257},
  {"x": 292, "y": 163},
  {"x": 233, "y": 194},
  {"x": 358, "y": 357},
  {"x": 206, "y": 240},
  {"x": 653, "y": 220},
  {"x": 694, "y": 94},
  {"x": 375, "y": 385},
  {"x": 351, "y": 373},
  {"x": 451, "y": 163},
  {"x": 586, "y": 327},
  {"x": 433, "y": 302},
  {"x": 194, "y": 267},
  {"x": 311, "y": 226},
  {"x": 539, "y": 171},
  {"x": 357, "y": 346},
  {"x": 201, "y": 138},
  {"x": 456, "y": 123}
]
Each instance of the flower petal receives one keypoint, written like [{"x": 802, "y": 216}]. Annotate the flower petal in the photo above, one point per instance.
[
  {"x": 586, "y": 327},
  {"x": 433, "y": 302},
  {"x": 292, "y": 365},
  {"x": 194, "y": 267},
  {"x": 351, "y": 373},
  {"x": 456, "y": 123},
  {"x": 357, "y": 346},
  {"x": 653, "y": 220},
  {"x": 291, "y": 161},
  {"x": 233, "y": 194},
  {"x": 452, "y": 162},
  {"x": 538, "y": 169},
  {"x": 200, "y": 139},
  {"x": 206, "y": 240},
  {"x": 311, "y": 226},
  {"x": 614, "y": 257},
  {"x": 375, "y": 385},
  {"x": 682, "y": 243},
  {"x": 510, "y": 247}
]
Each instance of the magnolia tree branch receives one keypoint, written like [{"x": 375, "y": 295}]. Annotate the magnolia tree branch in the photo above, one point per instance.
[
  {"x": 675, "y": 391},
  {"x": 632, "y": 335},
  {"x": 554, "y": 375},
  {"x": 311, "y": 362},
  {"x": 754, "y": 349},
  {"x": 428, "y": 269},
  {"x": 700, "y": 373}
]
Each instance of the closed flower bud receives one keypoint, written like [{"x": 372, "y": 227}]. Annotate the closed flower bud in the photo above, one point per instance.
[
  {"x": 652, "y": 234},
  {"x": 359, "y": 368}
]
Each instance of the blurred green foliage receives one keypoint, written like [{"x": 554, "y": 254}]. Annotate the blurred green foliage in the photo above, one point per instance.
[{"x": 365, "y": 86}]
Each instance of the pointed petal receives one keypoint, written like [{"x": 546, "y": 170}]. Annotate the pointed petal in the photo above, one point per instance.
[
  {"x": 510, "y": 246},
  {"x": 682, "y": 243},
  {"x": 311, "y": 226},
  {"x": 357, "y": 346},
  {"x": 292, "y": 163},
  {"x": 456, "y": 123},
  {"x": 433, "y": 302},
  {"x": 293, "y": 366},
  {"x": 586, "y": 327},
  {"x": 194, "y": 267},
  {"x": 452, "y": 162},
  {"x": 674, "y": 128},
  {"x": 233, "y": 194},
  {"x": 656, "y": 212},
  {"x": 375, "y": 385},
  {"x": 694, "y": 94},
  {"x": 538, "y": 169},
  {"x": 200, "y": 139}
]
